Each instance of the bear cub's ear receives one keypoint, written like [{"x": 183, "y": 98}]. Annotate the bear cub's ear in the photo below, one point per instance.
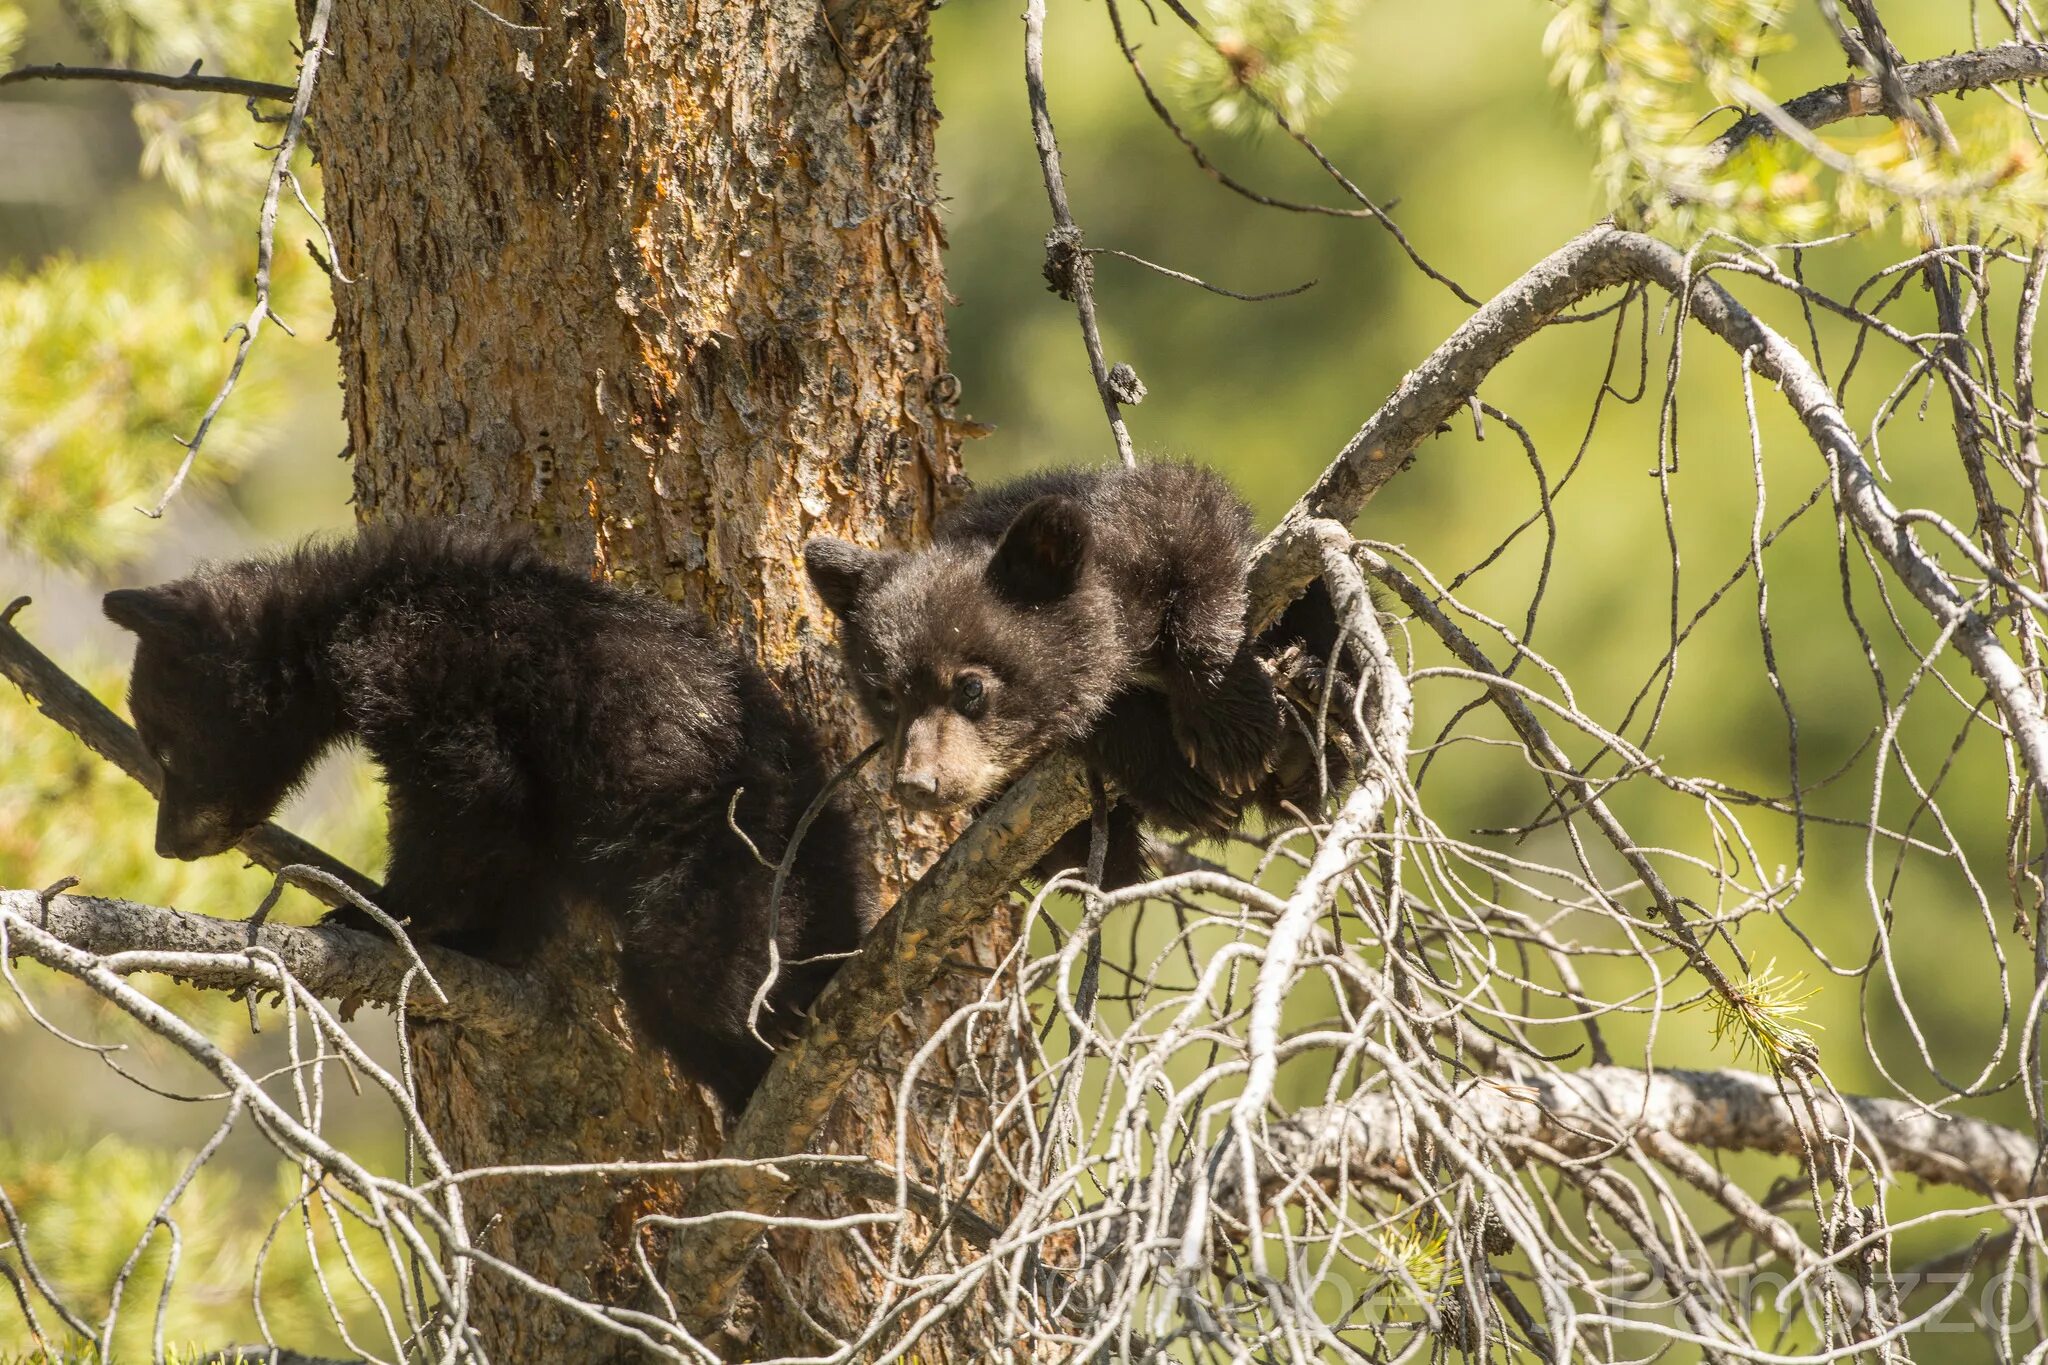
[
  {"x": 1042, "y": 554},
  {"x": 153, "y": 613},
  {"x": 841, "y": 570}
]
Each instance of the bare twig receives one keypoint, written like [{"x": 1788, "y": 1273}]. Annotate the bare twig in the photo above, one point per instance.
[
  {"x": 266, "y": 236},
  {"x": 1067, "y": 267},
  {"x": 191, "y": 80},
  {"x": 1366, "y": 209},
  {"x": 1200, "y": 283}
]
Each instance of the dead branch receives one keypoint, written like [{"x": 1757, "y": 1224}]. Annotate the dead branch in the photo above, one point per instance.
[
  {"x": 1868, "y": 508},
  {"x": 1600, "y": 258},
  {"x": 1585, "y": 1113},
  {"x": 1426, "y": 397},
  {"x": 128, "y": 937}
]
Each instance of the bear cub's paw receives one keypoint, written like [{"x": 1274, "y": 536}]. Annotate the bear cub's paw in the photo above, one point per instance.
[
  {"x": 1229, "y": 731},
  {"x": 355, "y": 918}
]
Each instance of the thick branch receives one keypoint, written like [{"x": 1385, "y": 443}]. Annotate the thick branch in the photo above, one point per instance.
[
  {"x": 191, "y": 80},
  {"x": 63, "y": 699},
  {"x": 337, "y": 964},
  {"x": 1584, "y": 1112},
  {"x": 1953, "y": 74},
  {"x": 899, "y": 959}
]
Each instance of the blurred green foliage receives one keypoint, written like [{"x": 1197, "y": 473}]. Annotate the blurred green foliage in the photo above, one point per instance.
[
  {"x": 1266, "y": 56},
  {"x": 107, "y": 358},
  {"x": 1644, "y": 75},
  {"x": 104, "y": 366},
  {"x": 111, "y": 347},
  {"x": 89, "y": 1200}
]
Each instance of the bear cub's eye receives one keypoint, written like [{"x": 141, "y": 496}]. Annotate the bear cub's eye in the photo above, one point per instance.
[{"x": 968, "y": 695}]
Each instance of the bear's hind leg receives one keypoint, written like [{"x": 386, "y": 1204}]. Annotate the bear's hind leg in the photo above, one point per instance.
[{"x": 678, "y": 1015}]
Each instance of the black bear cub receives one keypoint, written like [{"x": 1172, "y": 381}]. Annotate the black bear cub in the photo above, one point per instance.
[
  {"x": 543, "y": 737},
  {"x": 1103, "y": 607}
]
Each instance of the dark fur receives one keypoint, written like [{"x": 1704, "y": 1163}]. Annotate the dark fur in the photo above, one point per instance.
[
  {"x": 1098, "y": 607},
  {"x": 542, "y": 737}
]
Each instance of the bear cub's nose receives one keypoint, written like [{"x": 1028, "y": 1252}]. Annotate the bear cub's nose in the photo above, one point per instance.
[{"x": 918, "y": 788}]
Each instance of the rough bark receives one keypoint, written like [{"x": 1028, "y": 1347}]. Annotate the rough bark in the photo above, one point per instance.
[
  {"x": 1585, "y": 1113},
  {"x": 335, "y": 963},
  {"x": 665, "y": 282}
]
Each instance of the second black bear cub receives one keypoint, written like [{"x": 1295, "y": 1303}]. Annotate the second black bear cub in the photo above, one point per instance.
[
  {"x": 543, "y": 737},
  {"x": 1099, "y": 606}
]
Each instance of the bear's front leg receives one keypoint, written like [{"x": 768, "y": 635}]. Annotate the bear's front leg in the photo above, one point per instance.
[
  {"x": 1124, "y": 862},
  {"x": 471, "y": 877},
  {"x": 1133, "y": 746}
]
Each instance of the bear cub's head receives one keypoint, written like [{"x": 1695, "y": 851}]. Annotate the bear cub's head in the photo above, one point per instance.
[
  {"x": 973, "y": 660},
  {"x": 231, "y": 732}
]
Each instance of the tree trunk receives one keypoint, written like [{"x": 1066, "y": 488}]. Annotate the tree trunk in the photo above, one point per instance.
[{"x": 665, "y": 282}]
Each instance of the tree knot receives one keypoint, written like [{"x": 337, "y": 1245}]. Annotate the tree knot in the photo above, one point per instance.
[
  {"x": 1066, "y": 264},
  {"x": 1125, "y": 386}
]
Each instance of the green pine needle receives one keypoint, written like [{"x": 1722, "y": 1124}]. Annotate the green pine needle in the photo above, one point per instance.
[
  {"x": 1414, "y": 1255},
  {"x": 1265, "y": 55},
  {"x": 1758, "y": 1018}
]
